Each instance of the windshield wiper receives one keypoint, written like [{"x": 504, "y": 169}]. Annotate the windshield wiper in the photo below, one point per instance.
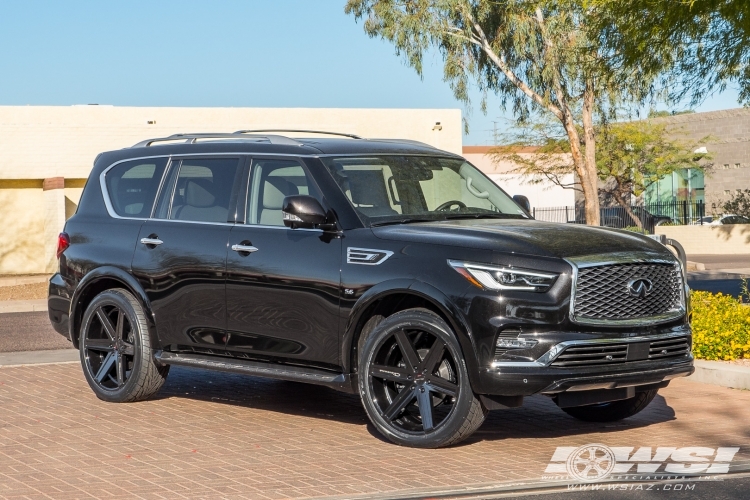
[
  {"x": 407, "y": 220},
  {"x": 484, "y": 216}
]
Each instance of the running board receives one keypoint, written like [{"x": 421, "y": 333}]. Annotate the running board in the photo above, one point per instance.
[{"x": 338, "y": 381}]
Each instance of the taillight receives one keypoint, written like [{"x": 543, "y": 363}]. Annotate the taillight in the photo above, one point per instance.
[{"x": 63, "y": 242}]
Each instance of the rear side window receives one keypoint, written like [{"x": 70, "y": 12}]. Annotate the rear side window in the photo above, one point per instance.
[
  {"x": 202, "y": 190},
  {"x": 132, "y": 186}
]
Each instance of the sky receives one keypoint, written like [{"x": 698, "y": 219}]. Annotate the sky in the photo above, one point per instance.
[{"x": 237, "y": 53}]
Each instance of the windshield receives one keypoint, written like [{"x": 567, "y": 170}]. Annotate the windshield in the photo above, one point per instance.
[{"x": 399, "y": 189}]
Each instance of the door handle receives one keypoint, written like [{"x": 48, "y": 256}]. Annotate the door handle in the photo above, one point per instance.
[
  {"x": 244, "y": 248},
  {"x": 151, "y": 241}
]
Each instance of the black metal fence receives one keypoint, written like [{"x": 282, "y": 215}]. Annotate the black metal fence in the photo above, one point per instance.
[{"x": 646, "y": 216}]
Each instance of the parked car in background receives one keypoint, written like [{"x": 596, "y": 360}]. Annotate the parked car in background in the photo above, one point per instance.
[
  {"x": 617, "y": 217},
  {"x": 725, "y": 219}
]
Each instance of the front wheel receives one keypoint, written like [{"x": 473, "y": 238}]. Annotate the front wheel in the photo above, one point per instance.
[
  {"x": 612, "y": 411},
  {"x": 116, "y": 349},
  {"x": 414, "y": 382}
]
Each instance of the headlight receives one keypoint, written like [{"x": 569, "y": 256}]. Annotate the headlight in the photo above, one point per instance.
[{"x": 504, "y": 278}]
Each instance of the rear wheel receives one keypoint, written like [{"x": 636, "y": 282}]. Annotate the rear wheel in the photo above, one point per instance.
[
  {"x": 614, "y": 410},
  {"x": 116, "y": 349},
  {"x": 414, "y": 382}
]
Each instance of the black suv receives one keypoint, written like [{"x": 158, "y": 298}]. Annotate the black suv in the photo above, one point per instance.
[{"x": 385, "y": 268}]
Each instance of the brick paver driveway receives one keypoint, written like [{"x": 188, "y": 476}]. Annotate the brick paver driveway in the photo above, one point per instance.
[{"x": 217, "y": 435}]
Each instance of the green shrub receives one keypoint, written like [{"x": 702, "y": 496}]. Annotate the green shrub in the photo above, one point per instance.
[
  {"x": 636, "y": 229},
  {"x": 721, "y": 327}
]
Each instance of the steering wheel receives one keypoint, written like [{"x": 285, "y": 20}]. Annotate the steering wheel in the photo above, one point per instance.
[{"x": 445, "y": 206}]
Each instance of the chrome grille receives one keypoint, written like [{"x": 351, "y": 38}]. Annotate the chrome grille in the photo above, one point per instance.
[
  {"x": 602, "y": 293},
  {"x": 621, "y": 352}
]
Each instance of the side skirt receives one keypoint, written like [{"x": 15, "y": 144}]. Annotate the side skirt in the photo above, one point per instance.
[{"x": 338, "y": 381}]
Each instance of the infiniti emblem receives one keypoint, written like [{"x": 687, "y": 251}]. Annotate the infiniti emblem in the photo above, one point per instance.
[{"x": 640, "y": 287}]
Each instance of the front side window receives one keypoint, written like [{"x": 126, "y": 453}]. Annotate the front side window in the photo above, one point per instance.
[
  {"x": 270, "y": 183},
  {"x": 201, "y": 190},
  {"x": 132, "y": 186},
  {"x": 399, "y": 188}
]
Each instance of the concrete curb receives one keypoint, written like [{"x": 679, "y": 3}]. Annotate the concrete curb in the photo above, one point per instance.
[
  {"x": 23, "y": 280},
  {"x": 25, "y": 358},
  {"x": 723, "y": 374},
  {"x": 19, "y": 306}
]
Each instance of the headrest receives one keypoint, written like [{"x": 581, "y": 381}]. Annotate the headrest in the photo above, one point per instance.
[
  {"x": 198, "y": 193},
  {"x": 275, "y": 190},
  {"x": 368, "y": 188}
]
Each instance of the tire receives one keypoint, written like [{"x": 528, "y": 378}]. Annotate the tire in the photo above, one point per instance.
[
  {"x": 414, "y": 382},
  {"x": 613, "y": 411},
  {"x": 115, "y": 349}
]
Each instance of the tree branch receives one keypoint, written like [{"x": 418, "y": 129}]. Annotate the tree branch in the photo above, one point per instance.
[{"x": 500, "y": 63}]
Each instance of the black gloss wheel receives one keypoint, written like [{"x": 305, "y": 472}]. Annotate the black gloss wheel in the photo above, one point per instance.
[
  {"x": 107, "y": 346},
  {"x": 414, "y": 382},
  {"x": 115, "y": 347}
]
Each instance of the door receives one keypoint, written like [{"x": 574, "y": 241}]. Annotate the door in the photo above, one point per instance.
[
  {"x": 180, "y": 256},
  {"x": 282, "y": 284}
]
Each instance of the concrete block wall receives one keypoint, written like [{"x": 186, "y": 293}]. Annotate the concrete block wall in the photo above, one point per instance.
[{"x": 730, "y": 239}]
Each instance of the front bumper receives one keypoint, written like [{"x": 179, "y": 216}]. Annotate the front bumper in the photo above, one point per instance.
[
  {"x": 547, "y": 376},
  {"x": 548, "y": 380}
]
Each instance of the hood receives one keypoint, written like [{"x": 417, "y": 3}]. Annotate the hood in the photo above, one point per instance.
[{"x": 526, "y": 237}]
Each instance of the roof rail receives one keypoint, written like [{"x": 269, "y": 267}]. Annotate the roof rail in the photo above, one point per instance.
[
  {"x": 407, "y": 141},
  {"x": 352, "y": 136},
  {"x": 192, "y": 138}
]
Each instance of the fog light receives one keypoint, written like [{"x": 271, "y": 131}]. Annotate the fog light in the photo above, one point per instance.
[{"x": 516, "y": 343}]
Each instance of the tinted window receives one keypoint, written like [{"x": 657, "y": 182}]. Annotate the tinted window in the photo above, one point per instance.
[
  {"x": 271, "y": 182},
  {"x": 132, "y": 186},
  {"x": 397, "y": 187},
  {"x": 202, "y": 190}
]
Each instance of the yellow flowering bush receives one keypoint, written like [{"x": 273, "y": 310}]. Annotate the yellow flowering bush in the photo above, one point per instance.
[{"x": 721, "y": 326}]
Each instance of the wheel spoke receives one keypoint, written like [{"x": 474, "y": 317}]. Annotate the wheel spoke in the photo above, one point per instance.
[
  {"x": 404, "y": 398},
  {"x": 106, "y": 323},
  {"x": 442, "y": 386},
  {"x": 434, "y": 356},
  {"x": 99, "y": 345},
  {"x": 120, "y": 370},
  {"x": 411, "y": 358},
  {"x": 424, "y": 401},
  {"x": 106, "y": 367},
  {"x": 129, "y": 349},
  {"x": 120, "y": 323},
  {"x": 394, "y": 373}
]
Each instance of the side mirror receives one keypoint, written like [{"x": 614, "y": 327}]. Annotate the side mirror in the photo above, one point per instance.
[
  {"x": 302, "y": 211},
  {"x": 523, "y": 202}
]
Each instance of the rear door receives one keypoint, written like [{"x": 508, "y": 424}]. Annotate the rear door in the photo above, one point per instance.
[
  {"x": 282, "y": 284},
  {"x": 180, "y": 256}
]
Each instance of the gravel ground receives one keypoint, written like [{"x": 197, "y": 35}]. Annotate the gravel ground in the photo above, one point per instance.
[
  {"x": 29, "y": 332},
  {"x": 24, "y": 292}
]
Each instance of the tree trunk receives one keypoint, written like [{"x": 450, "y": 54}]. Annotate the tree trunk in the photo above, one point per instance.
[
  {"x": 626, "y": 206},
  {"x": 589, "y": 140},
  {"x": 590, "y": 196}
]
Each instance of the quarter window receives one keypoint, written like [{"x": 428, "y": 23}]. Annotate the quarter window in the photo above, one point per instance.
[{"x": 132, "y": 186}]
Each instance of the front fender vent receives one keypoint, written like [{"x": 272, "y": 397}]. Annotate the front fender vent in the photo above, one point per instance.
[{"x": 366, "y": 256}]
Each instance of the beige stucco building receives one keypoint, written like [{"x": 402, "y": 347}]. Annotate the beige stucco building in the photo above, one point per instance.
[{"x": 46, "y": 154}]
